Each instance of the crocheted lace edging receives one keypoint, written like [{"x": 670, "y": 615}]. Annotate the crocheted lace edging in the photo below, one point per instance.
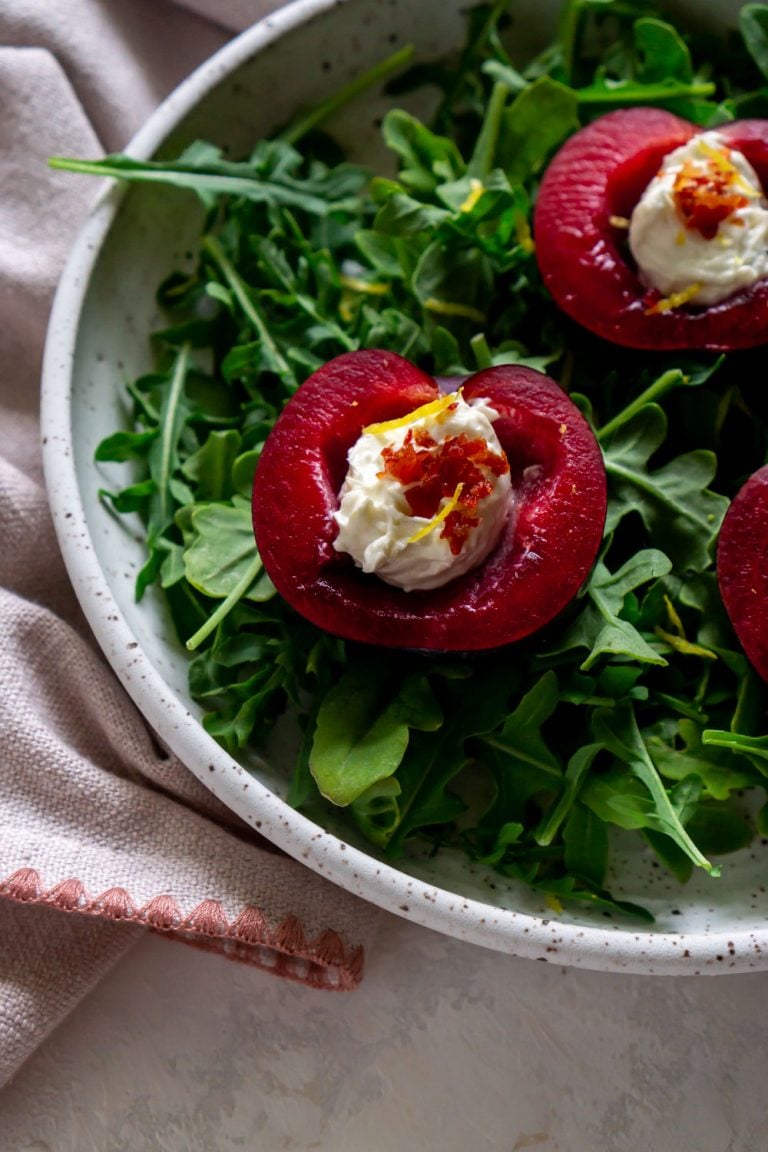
[{"x": 321, "y": 962}]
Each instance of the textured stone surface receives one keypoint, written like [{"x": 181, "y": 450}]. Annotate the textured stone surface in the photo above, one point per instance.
[{"x": 445, "y": 1046}]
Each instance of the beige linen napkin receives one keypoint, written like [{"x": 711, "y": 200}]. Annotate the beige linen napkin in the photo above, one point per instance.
[{"x": 102, "y": 835}]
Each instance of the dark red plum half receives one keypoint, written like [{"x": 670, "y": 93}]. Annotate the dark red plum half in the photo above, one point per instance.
[
  {"x": 545, "y": 551},
  {"x": 599, "y": 175},
  {"x": 742, "y": 568}
]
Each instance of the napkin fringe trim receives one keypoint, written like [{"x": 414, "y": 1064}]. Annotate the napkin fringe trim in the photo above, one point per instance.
[{"x": 324, "y": 962}]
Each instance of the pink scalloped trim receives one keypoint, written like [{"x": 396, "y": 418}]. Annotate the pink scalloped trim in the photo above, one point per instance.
[{"x": 323, "y": 962}]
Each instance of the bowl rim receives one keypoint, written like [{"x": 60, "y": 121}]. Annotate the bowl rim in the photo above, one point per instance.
[{"x": 517, "y": 933}]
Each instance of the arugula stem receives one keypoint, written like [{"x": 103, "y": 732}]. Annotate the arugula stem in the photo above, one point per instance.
[
  {"x": 307, "y": 305},
  {"x": 226, "y": 605},
  {"x": 642, "y": 94},
  {"x": 570, "y": 27},
  {"x": 482, "y": 352},
  {"x": 169, "y": 434},
  {"x": 453, "y": 308},
  {"x": 630, "y": 747},
  {"x": 310, "y": 120},
  {"x": 736, "y": 743},
  {"x": 663, "y": 384},
  {"x": 542, "y": 765},
  {"x": 577, "y": 770},
  {"x": 211, "y": 245},
  {"x": 657, "y": 492},
  {"x": 472, "y": 49},
  {"x": 206, "y": 184},
  {"x": 485, "y": 148}
]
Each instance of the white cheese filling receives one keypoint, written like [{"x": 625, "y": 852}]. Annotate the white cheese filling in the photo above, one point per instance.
[
  {"x": 377, "y": 527},
  {"x": 674, "y": 256}
]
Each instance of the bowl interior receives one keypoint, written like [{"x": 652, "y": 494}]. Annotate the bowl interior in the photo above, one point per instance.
[{"x": 99, "y": 341}]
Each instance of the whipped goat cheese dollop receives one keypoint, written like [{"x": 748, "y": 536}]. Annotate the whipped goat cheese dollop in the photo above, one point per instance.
[
  {"x": 426, "y": 496},
  {"x": 699, "y": 232}
]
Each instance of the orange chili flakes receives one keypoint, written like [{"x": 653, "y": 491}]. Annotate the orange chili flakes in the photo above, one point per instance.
[
  {"x": 706, "y": 196},
  {"x": 431, "y": 472}
]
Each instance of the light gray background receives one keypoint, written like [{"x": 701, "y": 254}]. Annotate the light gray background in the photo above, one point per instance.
[{"x": 445, "y": 1046}]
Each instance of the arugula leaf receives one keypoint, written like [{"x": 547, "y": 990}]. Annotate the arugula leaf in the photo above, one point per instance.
[
  {"x": 402, "y": 215},
  {"x": 276, "y": 266},
  {"x": 619, "y": 732},
  {"x": 321, "y": 112},
  {"x": 123, "y": 446},
  {"x": 426, "y": 159},
  {"x": 663, "y": 52},
  {"x": 210, "y": 179},
  {"x": 452, "y": 283},
  {"x": 471, "y": 708},
  {"x": 683, "y": 752},
  {"x": 568, "y": 889},
  {"x": 133, "y": 498},
  {"x": 719, "y": 829},
  {"x": 753, "y": 22},
  {"x": 755, "y": 748},
  {"x": 163, "y": 461},
  {"x": 600, "y": 627},
  {"x": 376, "y": 812},
  {"x": 620, "y": 798},
  {"x": 507, "y": 836},
  {"x": 363, "y": 727},
  {"x": 585, "y": 837},
  {"x": 679, "y": 512},
  {"x": 381, "y": 252},
  {"x": 222, "y": 552},
  {"x": 522, "y": 760},
  {"x": 272, "y": 358},
  {"x": 492, "y": 218},
  {"x": 538, "y": 120},
  {"x": 576, "y": 773},
  {"x": 211, "y": 467}
]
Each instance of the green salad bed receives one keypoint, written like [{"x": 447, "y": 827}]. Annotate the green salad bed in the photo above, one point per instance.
[{"x": 636, "y": 709}]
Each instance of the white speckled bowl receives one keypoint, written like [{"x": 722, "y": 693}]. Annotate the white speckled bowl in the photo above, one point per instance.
[{"x": 102, "y": 315}]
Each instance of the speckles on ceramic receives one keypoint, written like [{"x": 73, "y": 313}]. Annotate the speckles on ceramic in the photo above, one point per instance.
[{"x": 103, "y": 312}]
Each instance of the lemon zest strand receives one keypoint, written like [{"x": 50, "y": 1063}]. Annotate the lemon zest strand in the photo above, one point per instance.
[
  {"x": 523, "y": 233},
  {"x": 433, "y": 408},
  {"x": 476, "y": 190},
  {"x": 683, "y": 646},
  {"x": 552, "y": 902},
  {"x": 675, "y": 622},
  {"x": 366, "y": 287},
  {"x": 442, "y": 515},
  {"x": 451, "y": 308},
  {"x": 674, "y": 300},
  {"x": 723, "y": 161}
]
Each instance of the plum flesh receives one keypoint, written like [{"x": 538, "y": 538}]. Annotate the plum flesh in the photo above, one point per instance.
[
  {"x": 742, "y": 568},
  {"x": 596, "y": 179},
  {"x": 545, "y": 551}
]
